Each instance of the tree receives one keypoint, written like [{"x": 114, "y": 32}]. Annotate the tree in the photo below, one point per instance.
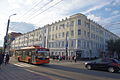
[{"x": 111, "y": 47}]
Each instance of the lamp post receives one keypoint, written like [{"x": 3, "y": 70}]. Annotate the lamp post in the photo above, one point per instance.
[{"x": 6, "y": 36}]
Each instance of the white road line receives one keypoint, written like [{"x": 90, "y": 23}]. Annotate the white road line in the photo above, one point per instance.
[{"x": 23, "y": 65}]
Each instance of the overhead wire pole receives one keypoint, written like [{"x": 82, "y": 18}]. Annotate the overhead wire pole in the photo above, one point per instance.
[{"x": 6, "y": 36}]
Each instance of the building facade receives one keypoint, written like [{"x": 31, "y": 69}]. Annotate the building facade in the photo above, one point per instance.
[
  {"x": 10, "y": 38},
  {"x": 72, "y": 36}
]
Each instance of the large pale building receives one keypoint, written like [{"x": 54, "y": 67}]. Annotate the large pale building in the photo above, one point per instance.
[{"x": 75, "y": 35}]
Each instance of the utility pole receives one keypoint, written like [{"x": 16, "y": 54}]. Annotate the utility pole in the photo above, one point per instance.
[
  {"x": 66, "y": 47},
  {"x": 6, "y": 36}
]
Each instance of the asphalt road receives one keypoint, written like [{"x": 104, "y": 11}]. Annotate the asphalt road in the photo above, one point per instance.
[{"x": 67, "y": 71}]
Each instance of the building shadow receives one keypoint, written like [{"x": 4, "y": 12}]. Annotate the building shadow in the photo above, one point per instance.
[{"x": 84, "y": 71}]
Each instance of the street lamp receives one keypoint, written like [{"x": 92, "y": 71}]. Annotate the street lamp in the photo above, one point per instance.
[{"x": 6, "y": 36}]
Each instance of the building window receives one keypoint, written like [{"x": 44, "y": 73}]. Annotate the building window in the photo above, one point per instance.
[
  {"x": 63, "y": 34},
  {"x": 59, "y": 35},
  {"x": 56, "y": 27},
  {"x": 79, "y": 43},
  {"x": 79, "y": 31},
  {"x": 59, "y": 44},
  {"x": 72, "y": 33},
  {"x": 62, "y": 43},
  {"x": 85, "y": 33},
  {"x": 72, "y": 43},
  {"x": 63, "y": 25},
  {"x": 45, "y": 30},
  {"x": 49, "y": 29},
  {"x": 56, "y": 36},
  {"x": 53, "y": 28},
  {"x": 67, "y": 24},
  {"x": 88, "y": 33},
  {"x": 53, "y": 37},
  {"x": 87, "y": 24},
  {"x": 67, "y": 34},
  {"x": 71, "y": 23},
  {"x": 79, "y": 22}
]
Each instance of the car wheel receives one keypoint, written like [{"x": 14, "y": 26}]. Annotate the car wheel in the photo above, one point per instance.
[
  {"x": 89, "y": 67},
  {"x": 111, "y": 69}
]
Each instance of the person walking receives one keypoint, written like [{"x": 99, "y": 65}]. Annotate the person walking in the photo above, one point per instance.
[
  {"x": 75, "y": 59},
  {"x": 7, "y": 58},
  {"x": 1, "y": 59}
]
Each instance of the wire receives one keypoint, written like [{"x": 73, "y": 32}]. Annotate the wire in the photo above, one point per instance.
[
  {"x": 31, "y": 9},
  {"x": 41, "y": 8},
  {"x": 28, "y": 12},
  {"x": 114, "y": 24},
  {"x": 115, "y": 29},
  {"x": 46, "y": 9}
]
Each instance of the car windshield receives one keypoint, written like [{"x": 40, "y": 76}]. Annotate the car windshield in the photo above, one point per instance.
[{"x": 42, "y": 53}]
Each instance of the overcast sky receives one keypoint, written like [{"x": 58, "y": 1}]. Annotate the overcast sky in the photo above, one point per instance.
[{"x": 32, "y": 14}]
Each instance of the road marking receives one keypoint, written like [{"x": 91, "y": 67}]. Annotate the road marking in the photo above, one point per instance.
[
  {"x": 64, "y": 63},
  {"x": 23, "y": 65}
]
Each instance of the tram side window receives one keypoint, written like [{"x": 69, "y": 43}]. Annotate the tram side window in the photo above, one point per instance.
[
  {"x": 24, "y": 53},
  {"x": 18, "y": 53},
  {"x": 33, "y": 52},
  {"x": 29, "y": 53}
]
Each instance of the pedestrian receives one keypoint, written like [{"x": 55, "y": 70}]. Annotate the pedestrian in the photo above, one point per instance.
[
  {"x": 7, "y": 58},
  {"x": 75, "y": 59},
  {"x": 60, "y": 58},
  {"x": 1, "y": 59}
]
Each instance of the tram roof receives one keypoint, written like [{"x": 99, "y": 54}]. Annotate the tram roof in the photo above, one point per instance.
[{"x": 32, "y": 47}]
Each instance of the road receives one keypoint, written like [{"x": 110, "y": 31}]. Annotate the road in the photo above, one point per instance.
[{"x": 67, "y": 71}]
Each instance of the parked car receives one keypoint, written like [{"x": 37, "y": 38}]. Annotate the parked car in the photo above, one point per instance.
[{"x": 111, "y": 65}]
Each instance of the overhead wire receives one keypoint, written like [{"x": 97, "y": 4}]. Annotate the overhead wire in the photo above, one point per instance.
[
  {"x": 34, "y": 12},
  {"x": 32, "y": 8},
  {"x": 114, "y": 24},
  {"x": 34, "y": 5},
  {"x": 45, "y": 9}
]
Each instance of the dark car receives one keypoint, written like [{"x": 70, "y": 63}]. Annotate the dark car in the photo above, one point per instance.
[{"x": 111, "y": 65}]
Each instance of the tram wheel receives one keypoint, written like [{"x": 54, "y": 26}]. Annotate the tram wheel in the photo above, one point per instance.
[{"x": 29, "y": 61}]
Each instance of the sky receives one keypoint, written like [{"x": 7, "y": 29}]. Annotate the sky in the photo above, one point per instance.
[{"x": 32, "y": 14}]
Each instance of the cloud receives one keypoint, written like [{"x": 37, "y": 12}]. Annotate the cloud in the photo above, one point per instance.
[
  {"x": 58, "y": 12},
  {"x": 98, "y": 6},
  {"x": 64, "y": 9},
  {"x": 115, "y": 12},
  {"x": 110, "y": 23},
  {"x": 107, "y": 9},
  {"x": 1, "y": 43},
  {"x": 116, "y": 2},
  {"x": 94, "y": 18},
  {"x": 21, "y": 27}
]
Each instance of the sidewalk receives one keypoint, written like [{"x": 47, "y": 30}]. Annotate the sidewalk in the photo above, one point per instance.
[{"x": 12, "y": 72}]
